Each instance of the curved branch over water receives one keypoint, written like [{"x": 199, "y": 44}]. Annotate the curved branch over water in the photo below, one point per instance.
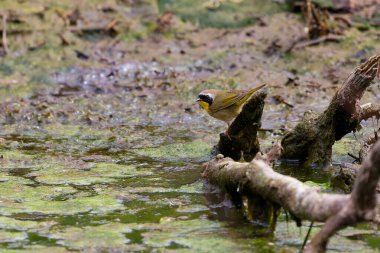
[{"x": 246, "y": 180}]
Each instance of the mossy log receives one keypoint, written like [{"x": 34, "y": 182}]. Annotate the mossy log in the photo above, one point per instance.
[
  {"x": 242, "y": 134},
  {"x": 257, "y": 178},
  {"x": 312, "y": 139}
]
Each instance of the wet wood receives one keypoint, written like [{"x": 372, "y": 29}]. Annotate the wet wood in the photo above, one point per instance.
[
  {"x": 241, "y": 141},
  {"x": 247, "y": 180},
  {"x": 312, "y": 139}
]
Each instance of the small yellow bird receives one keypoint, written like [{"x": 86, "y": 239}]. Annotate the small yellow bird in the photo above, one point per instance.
[{"x": 225, "y": 105}]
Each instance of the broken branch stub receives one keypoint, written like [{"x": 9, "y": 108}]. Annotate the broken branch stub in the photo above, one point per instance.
[
  {"x": 242, "y": 133},
  {"x": 312, "y": 139}
]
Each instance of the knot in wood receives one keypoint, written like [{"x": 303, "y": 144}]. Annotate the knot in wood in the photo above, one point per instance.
[{"x": 219, "y": 156}]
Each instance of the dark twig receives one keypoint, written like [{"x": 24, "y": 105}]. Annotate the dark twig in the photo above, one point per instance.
[{"x": 306, "y": 237}]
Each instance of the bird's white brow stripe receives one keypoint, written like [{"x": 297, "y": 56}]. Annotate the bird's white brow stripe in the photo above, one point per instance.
[{"x": 208, "y": 94}]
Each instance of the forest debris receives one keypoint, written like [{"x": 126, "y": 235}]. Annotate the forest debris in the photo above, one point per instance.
[
  {"x": 312, "y": 139},
  {"x": 81, "y": 55},
  {"x": 302, "y": 201},
  {"x": 344, "y": 178},
  {"x": 64, "y": 40},
  {"x": 316, "y": 20},
  {"x": 316, "y": 41},
  {"x": 4, "y": 33},
  {"x": 369, "y": 110},
  {"x": 165, "y": 21},
  {"x": 279, "y": 99},
  {"x": 361, "y": 206},
  {"x": 111, "y": 26},
  {"x": 351, "y": 5},
  {"x": 242, "y": 141}
]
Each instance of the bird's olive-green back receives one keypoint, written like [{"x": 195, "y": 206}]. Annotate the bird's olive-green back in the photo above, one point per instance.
[{"x": 226, "y": 98}]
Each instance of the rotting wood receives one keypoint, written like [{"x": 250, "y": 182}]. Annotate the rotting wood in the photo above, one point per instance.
[
  {"x": 361, "y": 206},
  {"x": 242, "y": 141},
  {"x": 312, "y": 139},
  {"x": 303, "y": 202}
]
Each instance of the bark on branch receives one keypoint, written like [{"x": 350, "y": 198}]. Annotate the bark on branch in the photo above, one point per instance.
[
  {"x": 361, "y": 206},
  {"x": 313, "y": 138},
  {"x": 304, "y": 202},
  {"x": 242, "y": 139}
]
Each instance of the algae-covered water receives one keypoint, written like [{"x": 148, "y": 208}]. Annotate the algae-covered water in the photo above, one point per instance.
[{"x": 102, "y": 145}]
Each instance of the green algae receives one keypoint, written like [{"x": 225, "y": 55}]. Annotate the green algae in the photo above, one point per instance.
[
  {"x": 196, "y": 150},
  {"x": 219, "y": 14},
  {"x": 321, "y": 186},
  {"x": 8, "y": 237},
  {"x": 192, "y": 208},
  {"x": 192, "y": 236},
  {"x": 285, "y": 234},
  {"x": 92, "y": 174},
  {"x": 24, "y": 225},
  {"x": 14, "y": 191},
  {"x": 97, "y": 238},
  {"x": 96, "y": 204},
  {"x": 37, "y": 249},
  {"x": 47, "y": 200}
]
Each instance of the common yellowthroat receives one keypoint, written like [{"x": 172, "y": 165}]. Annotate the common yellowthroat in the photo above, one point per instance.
[{"x": 225, "y": 105}]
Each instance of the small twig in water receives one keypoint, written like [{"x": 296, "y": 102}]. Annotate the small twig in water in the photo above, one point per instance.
[
  {"x": 357, "y": 159},
  {"x": 307, "y": 236}
]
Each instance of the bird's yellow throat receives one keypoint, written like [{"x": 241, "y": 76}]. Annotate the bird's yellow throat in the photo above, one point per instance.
[{"x": 204, "y": 104}]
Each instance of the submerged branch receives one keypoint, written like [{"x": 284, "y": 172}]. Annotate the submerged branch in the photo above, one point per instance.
[
  {"x": 257, "y": 177},
  {"x": 303, "y": 202},
  {"x": 362, "y": 205}
]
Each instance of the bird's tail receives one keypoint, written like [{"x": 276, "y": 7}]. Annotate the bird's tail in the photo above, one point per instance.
[
  {"x": 249, "y": 93},
  {"x": 256, "y": 89}
]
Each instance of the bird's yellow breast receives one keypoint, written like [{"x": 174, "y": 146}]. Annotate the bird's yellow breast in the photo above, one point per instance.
[{"x": 204, "y": 105}]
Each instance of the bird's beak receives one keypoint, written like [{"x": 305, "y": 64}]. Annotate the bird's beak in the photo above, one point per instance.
[{"x": 198, "y": 99}]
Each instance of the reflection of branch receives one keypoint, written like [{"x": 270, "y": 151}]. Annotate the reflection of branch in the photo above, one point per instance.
[
  {"x": 304, "y": 202},
  {"x": 4, "y": 33}
]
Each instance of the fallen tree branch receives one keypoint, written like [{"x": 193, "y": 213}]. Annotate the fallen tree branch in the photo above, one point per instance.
[
  {"x": 312, "y": 139},
  {"x": 362, "y": 205},
  {"x": 247, "y": 180},
  {"x": 257, "y": 177}
]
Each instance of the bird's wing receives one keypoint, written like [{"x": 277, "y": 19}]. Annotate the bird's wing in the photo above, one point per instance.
[{"x": 231, "y": 98}]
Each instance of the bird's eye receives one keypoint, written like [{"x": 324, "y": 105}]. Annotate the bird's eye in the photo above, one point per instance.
[{"x": 205, "y": 98}]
